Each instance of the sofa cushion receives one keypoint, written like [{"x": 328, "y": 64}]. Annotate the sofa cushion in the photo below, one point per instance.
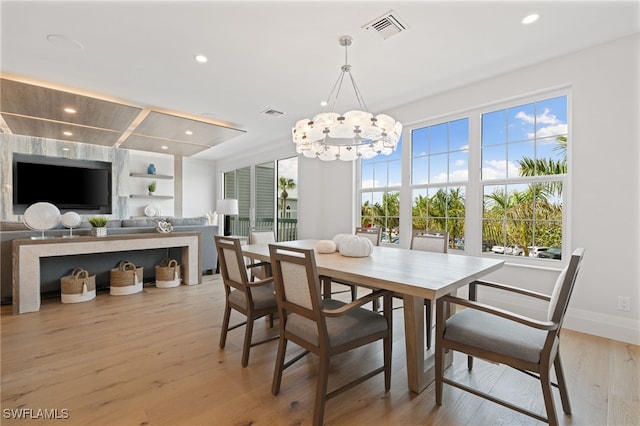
[
  {"x": 138, "y": 223},
  {"x": 187, "y": 221}
]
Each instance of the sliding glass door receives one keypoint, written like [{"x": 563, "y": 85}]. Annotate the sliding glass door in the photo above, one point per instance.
[{"x": 264, "y": 198}]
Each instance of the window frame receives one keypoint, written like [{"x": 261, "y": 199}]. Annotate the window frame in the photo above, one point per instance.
[
  {"x": 449, "y": 184},
  {"x": 474, "y": 192},
  {"x": 382, "y": 189}
]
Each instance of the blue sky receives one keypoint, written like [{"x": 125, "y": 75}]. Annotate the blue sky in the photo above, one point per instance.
[{"x": 440, "y": 152}]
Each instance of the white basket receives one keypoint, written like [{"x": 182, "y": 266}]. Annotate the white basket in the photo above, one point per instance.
[
  {"x": 123, "y": 291},
  {"x": 168, "y": 274},
  {"x": 167, "y": 284},
  {"x": 77, "y": 298}
]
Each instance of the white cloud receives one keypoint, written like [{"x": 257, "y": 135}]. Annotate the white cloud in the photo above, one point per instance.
[
  {"x": 559, "y": 129},
  {"x": 455, "y": 176},
  {"x": 545, "y": 118},
  {"x": 459, "y": 175},
  {"x": 495, "y": 169},
  {"x": 554, "y": 125},
  {"x": 460, "y": 163},
  {"x": 288, "y": 168},
  {"x": 369, "y": 183}
]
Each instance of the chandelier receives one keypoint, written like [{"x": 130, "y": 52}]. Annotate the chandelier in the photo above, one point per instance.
[{"x": 354, "y": 134}]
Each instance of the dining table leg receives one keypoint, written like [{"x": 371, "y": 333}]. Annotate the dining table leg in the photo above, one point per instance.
[{"x": 420, "y": 362}]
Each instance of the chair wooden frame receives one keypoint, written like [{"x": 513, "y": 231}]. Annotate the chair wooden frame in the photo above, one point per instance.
[
  {"x": 441, "y": 246},
  {"x": 549, "y": 352},
  {"x": 261, "y": 237},
  {"x": 230, "y": 255},
  {"x": 373, "y": 234},
  {"x": 318, "y": 314}
]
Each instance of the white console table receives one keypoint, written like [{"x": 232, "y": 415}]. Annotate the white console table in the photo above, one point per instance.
[{"x": 27, "y": 254}]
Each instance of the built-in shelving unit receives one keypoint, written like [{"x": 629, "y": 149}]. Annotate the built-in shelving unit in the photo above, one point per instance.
[
  {"x": 147, "y": 175},
  {"x": 157, "y": 197},
  {"x": 150, "y": 176}
]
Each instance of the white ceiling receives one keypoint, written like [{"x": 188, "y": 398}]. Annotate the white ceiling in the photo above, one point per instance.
[{"x": 285, "y": 55}]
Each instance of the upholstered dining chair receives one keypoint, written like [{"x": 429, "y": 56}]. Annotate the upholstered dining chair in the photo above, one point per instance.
[
  {"x": 324, "y": 327},
  {"x": 252, "y": 299},
  {"x": 497, "y": 335},
  {"x": 437, "y": 242},
  {"x": 373, "y": 234},
  {"x": 261, "y": 237}
]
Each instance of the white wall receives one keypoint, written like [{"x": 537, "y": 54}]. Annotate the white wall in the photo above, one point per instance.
[
  {"x": 604, "y": 188},
  {"x": 199, "y": 183},
  {"x": 325, "y": 198}
]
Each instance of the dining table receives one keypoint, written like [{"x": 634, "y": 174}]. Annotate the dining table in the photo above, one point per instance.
[{"x": 415, "y": 275}]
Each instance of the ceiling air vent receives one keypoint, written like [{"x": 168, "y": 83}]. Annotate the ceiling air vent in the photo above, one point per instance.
[
  {"x": 272, "y": 112},
  {"x": 387, "y": 25}
]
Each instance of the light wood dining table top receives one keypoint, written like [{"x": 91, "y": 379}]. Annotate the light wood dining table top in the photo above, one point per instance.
[{"x": 411, "y": 272}]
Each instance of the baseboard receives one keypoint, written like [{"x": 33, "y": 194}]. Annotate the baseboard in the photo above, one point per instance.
[
  {"x": 611, "y": 327},
  {"x": 602, "y": 325}
]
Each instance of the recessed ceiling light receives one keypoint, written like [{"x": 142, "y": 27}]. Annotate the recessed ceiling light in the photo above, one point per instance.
[
  {"x": 70, "y": 110},
  {"x": 67, "y": 133},
  {"x": 530, "y": 19},
  {"x": 66, "y": 149},
  {"x": 201, "y": 58},
  {"x": 164, "y": 147},
  {"x": 323, "y": 103},
  {"x": 188, "y": 132}
]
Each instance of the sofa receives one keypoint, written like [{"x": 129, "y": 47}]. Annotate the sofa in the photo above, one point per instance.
[{"x": 53, "y": 268}]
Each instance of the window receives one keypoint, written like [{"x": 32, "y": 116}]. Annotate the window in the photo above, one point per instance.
[
  {"x": 288, "y": 199},
  {"x": 262, "y": 199},
  {"x": 524, "y": 169},
  {"x": 439, "y": 172},
  {"x": 237, "y": 184},
  {"x": 494, "y": 178},
  {"x": 381, "y": 180},
  {"x": 265, "y": 197}
]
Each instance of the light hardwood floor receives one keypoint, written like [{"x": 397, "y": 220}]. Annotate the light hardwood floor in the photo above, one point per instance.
[{"x": 153, "y": 359}]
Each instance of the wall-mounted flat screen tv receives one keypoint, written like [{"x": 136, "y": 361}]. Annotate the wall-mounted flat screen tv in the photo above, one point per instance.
[{"x": 71, "y": 185}]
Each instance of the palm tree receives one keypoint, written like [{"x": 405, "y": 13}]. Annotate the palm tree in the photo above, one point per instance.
[
  {"x": 391, "y": 211},
  {"x": 547, "y": 166},
  {"x": 443, "y": 211},
  {"x": 284, "y": 184}
]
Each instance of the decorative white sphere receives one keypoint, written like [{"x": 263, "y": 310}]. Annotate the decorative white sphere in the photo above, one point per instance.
[
  {"x": 70, "y": 219},
  {"x": 356, "y": 247},
  {"x": 325, "y": 246}
]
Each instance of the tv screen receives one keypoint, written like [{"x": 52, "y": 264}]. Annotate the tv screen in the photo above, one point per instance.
[{"x": 71, "y": 185}]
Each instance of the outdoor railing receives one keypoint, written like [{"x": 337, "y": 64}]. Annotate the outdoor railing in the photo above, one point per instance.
[{"x": 287, "y": 228}]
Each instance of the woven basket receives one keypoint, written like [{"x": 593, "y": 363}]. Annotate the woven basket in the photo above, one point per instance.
[
  {"x": 78, "y": 287},
  {"x": 168, "y": 273},
  {"x": 126, "y": 274}
]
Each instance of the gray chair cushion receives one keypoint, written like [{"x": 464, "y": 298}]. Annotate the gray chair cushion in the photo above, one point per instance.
[
  {"x": 495, "y": 334},
  {"x": 343, "y": 329},
  {"x": 263, "y": 297}
]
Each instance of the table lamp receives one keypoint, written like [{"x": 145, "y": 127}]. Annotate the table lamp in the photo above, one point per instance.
[{"x": 227, "y": 207}]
